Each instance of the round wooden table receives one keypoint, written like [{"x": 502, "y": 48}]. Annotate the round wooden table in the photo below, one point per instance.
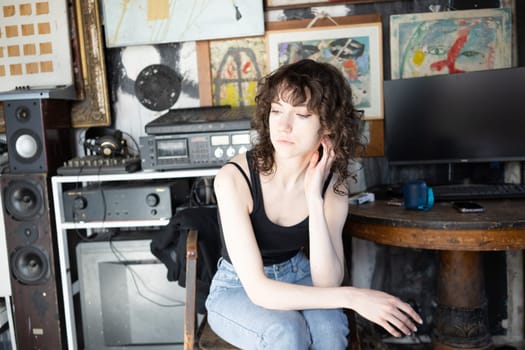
[{"x": 462, "y": 319}]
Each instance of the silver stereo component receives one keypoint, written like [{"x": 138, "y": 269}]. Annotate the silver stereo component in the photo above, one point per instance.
[
  {"x": 192, "y": 150},
  {"x": 119, "y": 202}
]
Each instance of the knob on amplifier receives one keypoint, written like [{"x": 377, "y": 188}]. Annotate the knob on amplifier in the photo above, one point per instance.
[{"x": 119, "y": 202}]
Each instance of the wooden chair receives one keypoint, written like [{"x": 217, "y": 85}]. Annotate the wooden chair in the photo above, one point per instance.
[
  {"x": 203, "y": 336},
  {"x": 206, "y": 338}
]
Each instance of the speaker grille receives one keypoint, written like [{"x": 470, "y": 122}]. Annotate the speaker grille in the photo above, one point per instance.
[
  {"x": 23, "y": 200},
  {"x": 30, "y": 265}
]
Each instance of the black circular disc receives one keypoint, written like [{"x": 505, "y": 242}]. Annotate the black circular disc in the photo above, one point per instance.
[{"x": 158, "y": 87}]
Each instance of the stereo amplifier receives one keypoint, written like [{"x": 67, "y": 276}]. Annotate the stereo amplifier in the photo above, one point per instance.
[
  {"x": 192, "y": 150},
  {"x": 121, "y": 202}
]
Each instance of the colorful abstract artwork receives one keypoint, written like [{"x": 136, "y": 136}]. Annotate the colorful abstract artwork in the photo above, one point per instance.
[
  {"x": 355, "y": 49},
  {"x": 450, "y": 42},
  {"x": 35, "y": 50},
  {"x": 138, "y": 22},
  {"x": 236, "y": 67}
]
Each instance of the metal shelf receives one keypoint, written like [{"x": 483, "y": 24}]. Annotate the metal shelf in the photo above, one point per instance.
[{"x": 69, "y": 287}]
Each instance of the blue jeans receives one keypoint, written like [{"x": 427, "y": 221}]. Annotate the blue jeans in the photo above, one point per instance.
[{"x": 233, "y": 316}]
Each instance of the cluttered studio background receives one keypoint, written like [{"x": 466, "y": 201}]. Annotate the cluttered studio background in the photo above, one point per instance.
[{"x": 98, "y": 87}]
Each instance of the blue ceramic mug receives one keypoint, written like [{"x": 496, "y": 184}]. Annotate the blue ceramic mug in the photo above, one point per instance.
[{"x": 417, "y": 195}]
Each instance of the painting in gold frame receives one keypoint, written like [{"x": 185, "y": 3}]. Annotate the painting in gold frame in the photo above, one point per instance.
[{"x": 93, "y": 109}]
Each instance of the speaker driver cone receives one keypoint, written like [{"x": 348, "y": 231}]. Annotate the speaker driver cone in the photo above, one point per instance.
[
  {"x": 27, "y": 145},
  {"x": 27, "y": 232},
  {"x": 22, "y": 113},
  {"x": 23, "y": 200},
  {"x": 30, "y": 265}
]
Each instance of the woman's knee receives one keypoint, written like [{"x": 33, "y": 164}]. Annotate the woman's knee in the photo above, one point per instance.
[
  {"x": 328, "y": 328},
  {"x": 289, "y": 333}
]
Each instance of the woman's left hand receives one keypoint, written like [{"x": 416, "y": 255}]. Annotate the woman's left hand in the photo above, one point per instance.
[{"x": 319, "y": 168}]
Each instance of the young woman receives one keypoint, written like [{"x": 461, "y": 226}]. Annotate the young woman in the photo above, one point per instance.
[{"x": 286, "y": 196}]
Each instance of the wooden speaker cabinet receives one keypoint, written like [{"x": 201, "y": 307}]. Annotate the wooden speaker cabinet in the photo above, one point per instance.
[
  {"x": 37, "y": 133},
  {"x": 30, "y": 238}
]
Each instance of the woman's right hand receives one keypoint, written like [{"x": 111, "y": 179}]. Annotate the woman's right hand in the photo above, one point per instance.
[{"x": 386, "y": 310}]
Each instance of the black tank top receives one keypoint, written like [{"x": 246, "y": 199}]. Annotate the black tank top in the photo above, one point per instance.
[{"x": 277, "y": 243}]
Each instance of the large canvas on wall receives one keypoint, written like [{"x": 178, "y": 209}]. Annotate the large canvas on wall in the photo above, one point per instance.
[
  {"x": 355, "y": 49},
  {"x": 128, "y": 65},
  {"x": 450, "y": 42},
  {"x": 162, "y": 21},
  {"x": 35, "y": 50}
]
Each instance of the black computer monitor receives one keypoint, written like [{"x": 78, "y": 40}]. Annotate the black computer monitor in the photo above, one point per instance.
[{"x": 458, "y": 118}]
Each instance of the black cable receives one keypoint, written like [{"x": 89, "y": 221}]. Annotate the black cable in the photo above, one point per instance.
[{"x": 135, "y": 276}]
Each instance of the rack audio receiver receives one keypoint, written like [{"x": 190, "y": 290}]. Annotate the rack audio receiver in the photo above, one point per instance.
[
  {"x": 120, "y": 202},
  {"x": 203, "y": 137}
]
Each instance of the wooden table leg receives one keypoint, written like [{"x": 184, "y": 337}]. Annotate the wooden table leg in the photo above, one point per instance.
[{"x": 461, "y": 320}]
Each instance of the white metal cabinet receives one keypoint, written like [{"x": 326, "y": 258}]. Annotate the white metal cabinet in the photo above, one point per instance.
[{"x": 70, "y": 287}]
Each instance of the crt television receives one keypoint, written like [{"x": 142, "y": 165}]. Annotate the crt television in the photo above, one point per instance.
[
  {"x": 126, "y": 299},
  {"x": 458, "y": 118}
]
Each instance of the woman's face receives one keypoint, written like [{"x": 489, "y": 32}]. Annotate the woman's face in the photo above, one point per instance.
[{"x": 294, "y": 130}]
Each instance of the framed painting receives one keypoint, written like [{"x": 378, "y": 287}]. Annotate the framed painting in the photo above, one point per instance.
[
  {"x": 450, "y": 42},
  {"x": 93, "y": 109},
  {"x": 355, "y": 49},
  {"x": 35, "y": 47},
  {"x": 236, "y": 67},
  {"x": 146, "y": 22}
]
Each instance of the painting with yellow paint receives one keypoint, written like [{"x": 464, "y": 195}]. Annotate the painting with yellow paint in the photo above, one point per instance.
[
  {"x": 139, "y": 22},
  {"x": 236, "y": 67},
  {"x": 450, "y": 42}
]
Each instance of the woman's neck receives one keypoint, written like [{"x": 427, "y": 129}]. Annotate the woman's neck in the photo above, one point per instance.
[{"x": 288, "y": 172}]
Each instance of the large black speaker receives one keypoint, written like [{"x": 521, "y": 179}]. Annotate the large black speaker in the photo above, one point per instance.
[
  {"x": 37, "y": 133},
  {"x": 31, "y": 246}
]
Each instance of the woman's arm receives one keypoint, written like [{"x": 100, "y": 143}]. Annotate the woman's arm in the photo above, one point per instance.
[
  {"x": 327, "y": 213},
  {"x": 327, "y": 218},
  {"x": 234, "y": 201}
]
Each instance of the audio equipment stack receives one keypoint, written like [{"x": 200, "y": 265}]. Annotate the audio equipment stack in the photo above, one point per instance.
[{"x": 202, "y": 137}]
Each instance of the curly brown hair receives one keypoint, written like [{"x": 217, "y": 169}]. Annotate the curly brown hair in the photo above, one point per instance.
[{"x": 327, "y": 94}]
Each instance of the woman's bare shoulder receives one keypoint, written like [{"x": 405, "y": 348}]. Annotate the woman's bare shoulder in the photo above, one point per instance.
[
  {"x": 229, "y": 175},
  {"x": 231, "y": 188}
]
